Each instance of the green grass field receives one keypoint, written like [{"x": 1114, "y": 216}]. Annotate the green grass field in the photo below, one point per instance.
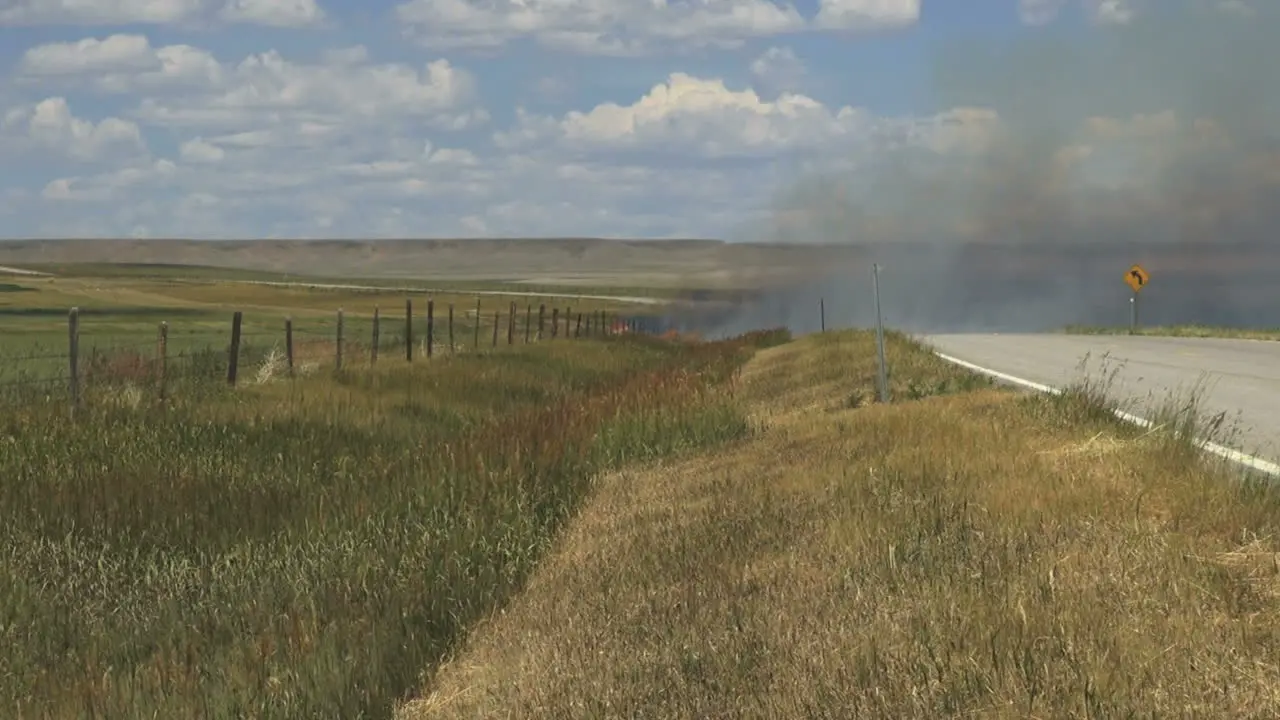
[
  {"x": 121, "y": 310},
  {"x": 297, "y": 546}
]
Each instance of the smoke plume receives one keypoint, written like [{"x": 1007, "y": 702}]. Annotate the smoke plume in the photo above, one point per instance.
[{"x": 1074, "y": 153}]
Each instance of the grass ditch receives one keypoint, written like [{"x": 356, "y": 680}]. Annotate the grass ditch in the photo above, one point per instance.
[
  {"x": 976, "y": 552},
  {"x": 306, "y": 548}
]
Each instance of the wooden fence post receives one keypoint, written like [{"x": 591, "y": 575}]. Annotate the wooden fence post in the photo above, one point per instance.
[
  {"x": 288, "y": 343},
  {"x": 453, "y": 348},
  {"x": 337, "y": 358},
  {"x": 496, "y": 319},
  {"x": 528, "y": 321},
  {"x": 568, "y": 315},
  {"x": 431, "y": 325},
  {"x": 373, "y": 352},
  {"x": 542, "y": 316},
  {"x": 511, "y": 325},
  {"x": 555, "y": 322},
  {"x": 233, "y": 360},
  {"x": 162, "y": 358},
  {"x": 475, "y": 341},
  {"x": 408, "y": 329},
  {"x": 577, "y": 330},
  {"x": 822, "y": 313},
  {"x": 73, "y": 351}
]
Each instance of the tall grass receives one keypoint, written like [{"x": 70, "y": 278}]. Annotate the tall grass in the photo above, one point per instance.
[
  {"x": 973, "y": 554},
  {"x": 1178, "y": 421},
  {"x": 307, "y": 548}
]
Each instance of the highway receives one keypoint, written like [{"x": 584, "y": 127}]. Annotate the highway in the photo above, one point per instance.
[{"x": 1241, "y": 377}]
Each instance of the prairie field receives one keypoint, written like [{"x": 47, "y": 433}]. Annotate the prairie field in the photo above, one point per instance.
[
  {"x": 306, "y": 547},
  {"x": 308, "y": 541},
  {"x": 589, "y": 524},
  {"x": 120, "y": 314}
]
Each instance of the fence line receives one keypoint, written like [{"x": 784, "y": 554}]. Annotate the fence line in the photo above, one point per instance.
[{"x": 337, "y": 342}]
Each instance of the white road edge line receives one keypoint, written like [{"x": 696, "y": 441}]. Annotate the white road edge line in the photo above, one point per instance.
[{"x": 1221, "y": 451}]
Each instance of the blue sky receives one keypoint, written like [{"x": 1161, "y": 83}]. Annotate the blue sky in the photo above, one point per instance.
[{"x": 321, "y": 118}]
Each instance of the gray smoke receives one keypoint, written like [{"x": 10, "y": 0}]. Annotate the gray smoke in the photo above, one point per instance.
[{"x": 1186, "y": 181}]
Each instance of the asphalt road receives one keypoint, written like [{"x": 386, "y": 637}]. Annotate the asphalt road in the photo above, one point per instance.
[{"x": 1241, "y": 377}]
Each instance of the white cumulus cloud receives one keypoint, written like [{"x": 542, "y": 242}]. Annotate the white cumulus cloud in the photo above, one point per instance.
[
  {"x": 116, "y": 52},
  {"x": 51, "y": 125},
  {"x": 280, "y": 13},
  {"x": 778, "y": 69},
  {"x": 629, "y": 27},
  {"x": 197, "y": 150},
  {"x": 269, "y": 90},
  {"x": 99, "y": 12},
  {"x": 264, "y": 92},
  {"x": 687, "y": 116},
  {"x": 270, "y": 150},
  {"x": 866, "y": 14},
  {"x": 120, "y": 64}
]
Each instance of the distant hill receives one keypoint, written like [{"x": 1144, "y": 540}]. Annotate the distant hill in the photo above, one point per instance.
[{"x": 543, "y": 260}]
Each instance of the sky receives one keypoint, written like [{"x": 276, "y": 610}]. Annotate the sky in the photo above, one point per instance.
[{"x": 464, "y": 118}]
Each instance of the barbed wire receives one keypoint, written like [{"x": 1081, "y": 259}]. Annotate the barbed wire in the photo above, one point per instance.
[
  {"x": 30, "y": 381},
  {"x": 196, "y": 350},
  {"x": 33, "y": 357}
]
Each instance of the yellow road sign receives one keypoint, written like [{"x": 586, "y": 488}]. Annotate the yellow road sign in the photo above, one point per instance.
[{"x": 1137, "y": 278}]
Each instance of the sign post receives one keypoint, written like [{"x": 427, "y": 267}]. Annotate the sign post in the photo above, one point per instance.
[
  {"x": 1137, "y": 278},
  {"x": 882, "y": 375}
]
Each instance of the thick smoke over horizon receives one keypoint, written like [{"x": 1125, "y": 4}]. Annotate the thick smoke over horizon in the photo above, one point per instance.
[{"x": 1074, "y": 153}]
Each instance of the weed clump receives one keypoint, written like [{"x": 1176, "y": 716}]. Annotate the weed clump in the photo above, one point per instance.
[{"x": 1177, "y": 421}]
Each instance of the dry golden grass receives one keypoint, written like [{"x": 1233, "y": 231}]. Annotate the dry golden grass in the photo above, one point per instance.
[
  {"x": 1187, "y": 331},
  {"x": 981, "y": 554}
]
